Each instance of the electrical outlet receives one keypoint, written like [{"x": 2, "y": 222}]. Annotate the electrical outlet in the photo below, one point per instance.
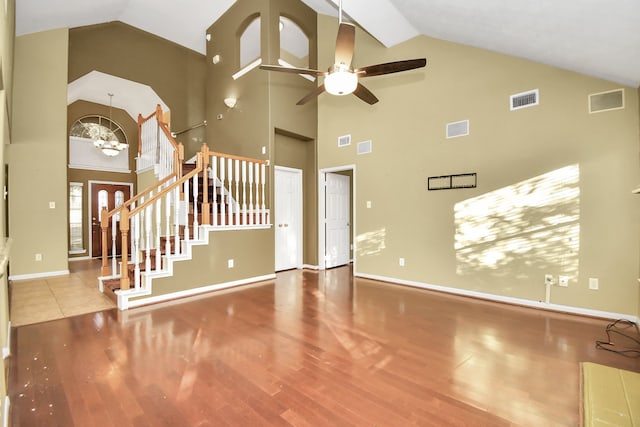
[
  {"x": 368, "y": 204},
  {"x": 563, "y": 281},
  {"x": 594, "y": 283},
  {"x": 38, "y": 257},
  {"x": 401, "y": 262},
  {"x": 548, "y": 280},
  {"x": 230, "y": 263}
]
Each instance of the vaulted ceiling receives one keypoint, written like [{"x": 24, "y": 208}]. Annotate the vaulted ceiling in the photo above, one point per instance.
[{"x": 594, "y": 37}]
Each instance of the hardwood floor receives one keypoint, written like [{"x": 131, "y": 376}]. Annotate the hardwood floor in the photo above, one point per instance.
[{"x": 307, "y": 349}]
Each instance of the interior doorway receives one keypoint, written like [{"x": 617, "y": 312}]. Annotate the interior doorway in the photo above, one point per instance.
[
  {"x": 108, "y": 195},
  {"x": 288, "y": 218},
  {"x": 336, "y": 228}
]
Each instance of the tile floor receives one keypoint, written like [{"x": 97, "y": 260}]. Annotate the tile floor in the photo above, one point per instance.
[{"x": 41, "y": 300}]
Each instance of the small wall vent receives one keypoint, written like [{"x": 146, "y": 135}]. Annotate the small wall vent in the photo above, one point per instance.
[
  {"x": 524, "y": 99},
  {"x": 456, "y": 129},
  {"x": 344, "y": 140},
  {"x": 606, "y": 101},
  {"x": 364, "y": 147}
]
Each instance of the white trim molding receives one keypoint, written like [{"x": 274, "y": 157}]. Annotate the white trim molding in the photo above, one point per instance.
[
  {"x": 6, "y": 350},
  {"x": 503, "y": 299},
  {"x": 39, "y": 275}
]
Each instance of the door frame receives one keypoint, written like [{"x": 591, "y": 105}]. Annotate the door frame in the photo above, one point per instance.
[
  {"x": 322, "y": 178},
  {"x": 299, "y": 212},
  {"x": 89, "y": 201}
]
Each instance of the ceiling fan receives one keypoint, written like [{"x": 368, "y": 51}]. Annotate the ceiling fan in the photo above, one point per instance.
[{"x": 342, "y": 78}]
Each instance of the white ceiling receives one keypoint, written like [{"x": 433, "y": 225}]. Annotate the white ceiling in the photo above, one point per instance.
[{"x": 595, "y": 37}]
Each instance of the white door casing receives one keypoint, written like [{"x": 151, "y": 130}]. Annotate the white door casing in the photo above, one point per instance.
[
  {"x": 338, "y": 218},
  {"x": 288, "y": 218}
]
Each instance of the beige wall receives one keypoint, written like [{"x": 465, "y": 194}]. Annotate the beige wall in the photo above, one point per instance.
[
  {"x": 38, "y": 154},
  {"x": 175, "y": 73},
  {"x": 505, "y": 149},
  {"x": 212, "y": 261}
]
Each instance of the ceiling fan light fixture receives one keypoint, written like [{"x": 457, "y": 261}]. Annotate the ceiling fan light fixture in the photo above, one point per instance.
[{"x": 341, "y": 82}]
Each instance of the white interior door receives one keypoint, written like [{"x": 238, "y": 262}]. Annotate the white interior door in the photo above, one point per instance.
[
  {"x": 288, "y": 218},
  {"x": 338, "y": 217}
]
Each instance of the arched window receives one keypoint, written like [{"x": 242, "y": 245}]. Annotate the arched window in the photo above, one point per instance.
[
  {"x": 294, "y": 43},
  {"x": 250, "y": 43},
  {"x": 98, "y": 127}
]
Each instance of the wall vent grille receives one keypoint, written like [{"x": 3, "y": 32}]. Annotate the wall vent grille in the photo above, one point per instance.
[
  {"x": 344, "y": 140},
  {"x": 524, "y": 99},
  {"x": 606, "y": 101},
  {"x": 364, "y": 147},
  {"x": 456, "y": 129}
]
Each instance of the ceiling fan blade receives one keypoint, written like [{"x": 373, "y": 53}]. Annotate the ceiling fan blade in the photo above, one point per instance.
[
  {"x": 345, "y": 43},
  {"x": 311, "y": 95},
  {"x": 365, "y": 94},
  {"x": 293, "y": 70},
  {"x": 390, "y": 67}
]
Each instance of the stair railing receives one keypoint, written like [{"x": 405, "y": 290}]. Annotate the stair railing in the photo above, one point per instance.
[
  {"x": 141, "y": 221},
  {"x": 176, "y": 207},
  {"x": 156, "y": 145}
]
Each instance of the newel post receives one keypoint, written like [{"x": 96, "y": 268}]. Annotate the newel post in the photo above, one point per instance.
[
  {"x": 124, "y": 232},
  {"x": 206, "y": 211},
  {"x": 104, "y": 226}
]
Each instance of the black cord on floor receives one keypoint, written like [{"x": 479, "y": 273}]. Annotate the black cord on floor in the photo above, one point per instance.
[{"x": 625, "y": 329}]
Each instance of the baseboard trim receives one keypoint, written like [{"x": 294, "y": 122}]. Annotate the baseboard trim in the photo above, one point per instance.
[
  {"x": 310, "y": 267},
  {"x": 79, "y": 258},
  {"x": 39, "y": 275},
  {"x": 6, "y": 351},
  {"x": 5, "y": 413},
  {"x": 503, "y": 299},
  {"x": 196, "y": 291}
]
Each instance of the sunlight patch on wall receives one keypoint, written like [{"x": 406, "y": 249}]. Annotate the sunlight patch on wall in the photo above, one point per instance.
[
  {"x": 531, "y": 225},
  {"x": 371, "y": 242}
]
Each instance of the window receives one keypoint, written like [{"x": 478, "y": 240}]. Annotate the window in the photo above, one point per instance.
[
  {"x": 250, "y": 43},
  {"x": 98, "y": 127},
  {"x": 76, "y": 244},
  {"x": 294, "y": 44}
]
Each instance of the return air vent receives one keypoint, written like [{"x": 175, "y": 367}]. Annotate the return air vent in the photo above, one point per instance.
[
  {"x": 344, "y": 140},
  {"x": 524, "y": 99},
  {"x": 364, "y": 147},
  {"x": 606, "y": 101},
  {"x": 456, "y": 129}
]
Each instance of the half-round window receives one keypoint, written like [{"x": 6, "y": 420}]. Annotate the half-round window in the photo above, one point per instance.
[{"x": 98, "y": 128}]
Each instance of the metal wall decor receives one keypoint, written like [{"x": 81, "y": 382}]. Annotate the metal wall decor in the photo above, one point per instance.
[{"x": 451, "y": 182}]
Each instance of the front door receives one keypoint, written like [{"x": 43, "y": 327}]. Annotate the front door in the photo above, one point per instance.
[
  {"x": 288, "y": 218},
  {"x": 111, "y": 196},
  {"x": 338, "y": 218}
]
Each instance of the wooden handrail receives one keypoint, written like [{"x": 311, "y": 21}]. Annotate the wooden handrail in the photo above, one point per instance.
[
  {"x": 232, "y": 157},
  {"x": 171, "y": 187},
  {"x": 140, "y": 194}
]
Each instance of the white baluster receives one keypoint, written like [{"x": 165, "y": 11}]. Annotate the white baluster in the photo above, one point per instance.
[
  {"x": 196, "y": 230},
  {"x": 176, "y": 219},
  {"x": 148, "y": 216},
  {"x": 223, "y": 205},
  {"x": 113, "y": 244},
  {"x": 257, "y": 176},
  {"x": 167, "y": 220},
  {"x": 229, "y": 187},
  {"x": 158, "y": 228},
  {"x": 136, "y": 253},
  {"x": 214, "y": 177},
  {"x": 185, "y": 192},
  {"x": 251, "y": 213},
  {"x": 237, "y": 201},
  {"x": 244, "y": 192},
  {"x": 264, "y": 206}
]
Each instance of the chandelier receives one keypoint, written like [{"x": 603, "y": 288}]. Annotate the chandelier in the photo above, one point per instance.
[{"x": 107, "y": 141}]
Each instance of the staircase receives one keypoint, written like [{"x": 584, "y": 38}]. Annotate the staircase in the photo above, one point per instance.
[{"x": 163, "y": 224}]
